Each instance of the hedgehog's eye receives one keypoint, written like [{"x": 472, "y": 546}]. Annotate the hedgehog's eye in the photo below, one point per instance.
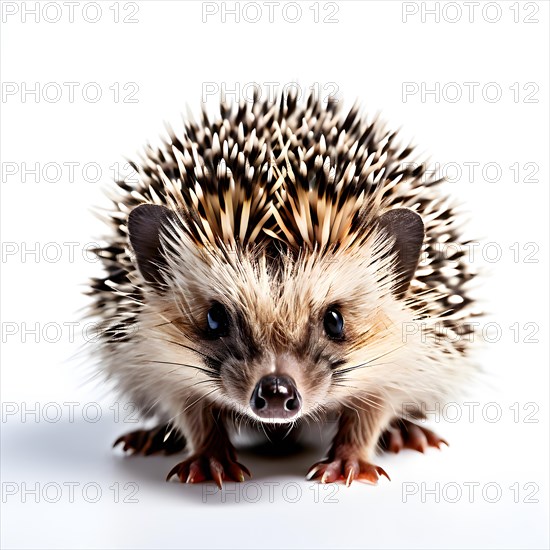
[
  {"x": 334, "y": 323},
  {"x": 217, "y": 321}
]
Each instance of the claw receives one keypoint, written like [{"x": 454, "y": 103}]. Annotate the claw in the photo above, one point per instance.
[
  {"x": 216, "y": 470},
  {"x": 312, "y": 471},
  {"x": 346, "y": 470},
  {"x": 161, "y": 439},
  {"x": 198, "y": 468},
  {"x": 237, "y": 472},
  {"x": 382, "y": 472},
  {"x": 403, "y": 434},
  {"x": 350, "y": 477},
  {"x": 195, "y": 473},
  {"x": 244, "y": 469},
  {"x": 172, "y": 472}
]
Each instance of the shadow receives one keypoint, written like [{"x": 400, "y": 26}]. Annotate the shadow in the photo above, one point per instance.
[{"x": 82, "y": 451}]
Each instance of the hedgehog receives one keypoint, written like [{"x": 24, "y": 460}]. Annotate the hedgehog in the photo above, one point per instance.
[{"x": 277, "y": 264}]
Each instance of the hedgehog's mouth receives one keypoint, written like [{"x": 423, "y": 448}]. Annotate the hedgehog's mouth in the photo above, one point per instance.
[{"x": 276, "y": 399}]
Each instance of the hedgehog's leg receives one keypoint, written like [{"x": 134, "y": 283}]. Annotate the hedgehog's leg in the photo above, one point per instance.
[
  {"x": 353, "y": 445},
  {"x": 162, "y": 439},
  {"x": 404, "y": 434},
  {"x": 213, "y": 456}
]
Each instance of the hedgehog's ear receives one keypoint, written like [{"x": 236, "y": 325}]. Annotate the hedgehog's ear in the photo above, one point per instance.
[
  {"x": 144, "y": 227},
  {"x": 406, "y": 229}
]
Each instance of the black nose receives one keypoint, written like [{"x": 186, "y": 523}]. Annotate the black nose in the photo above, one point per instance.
[{"x": 276, "y": 397}]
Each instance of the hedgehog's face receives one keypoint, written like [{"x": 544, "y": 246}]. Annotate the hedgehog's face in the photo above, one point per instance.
[{"x": 274, "y": 340}]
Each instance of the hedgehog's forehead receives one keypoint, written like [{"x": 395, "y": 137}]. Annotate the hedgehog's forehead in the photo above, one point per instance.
[{"x": 287, "y": 286}]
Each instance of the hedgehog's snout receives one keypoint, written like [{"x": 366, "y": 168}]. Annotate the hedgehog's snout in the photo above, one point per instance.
[{"x": 276, "y": 399}]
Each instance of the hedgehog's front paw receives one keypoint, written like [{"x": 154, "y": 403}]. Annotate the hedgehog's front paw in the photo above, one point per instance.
[
  {"x": 344, "y": 464},
  {"x": 162, "y": 439},
  {"x": 403, "y": 434},
  {"x": 209, "y": 466}
]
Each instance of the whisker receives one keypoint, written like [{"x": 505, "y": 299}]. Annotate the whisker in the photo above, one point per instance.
[
  {"x": 184, "y": 346},
  {"x": 194, "y": 403},
  {"x": 209, "y": 372},
  {"x": 199, "y": 399},
  {"x": 366, "y": 363}
]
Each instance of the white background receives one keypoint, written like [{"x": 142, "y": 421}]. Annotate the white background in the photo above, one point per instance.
[{"x": 170, "y": 54}]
